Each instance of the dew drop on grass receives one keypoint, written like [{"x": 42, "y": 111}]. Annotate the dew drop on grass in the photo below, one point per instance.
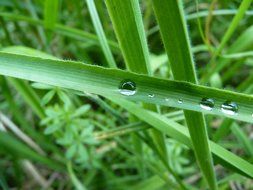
[
  {"x": 151, "y": 95},
  {"x": 207, "y": 104},
  {"x": 180, "y": 101},
  {"x": 229, "y": 108},
  {"x": 127, "y": 87},
  {"x": 167, "y": 99}
]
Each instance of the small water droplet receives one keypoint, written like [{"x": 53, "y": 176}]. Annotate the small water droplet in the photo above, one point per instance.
[
  {"x": 167, "y": 99},
  {"x": 127, "y": 87},
  {"x": 207, "y": 104},
  {"x": 180, "y": 101},
  {"x": 229, "y": 108},
  {"x": 151, "y": 95}
]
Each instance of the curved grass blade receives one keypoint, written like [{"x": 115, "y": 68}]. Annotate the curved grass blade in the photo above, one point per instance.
[
  {"x": 177, "y": 45},
  {"x": 103, "y": 81}
]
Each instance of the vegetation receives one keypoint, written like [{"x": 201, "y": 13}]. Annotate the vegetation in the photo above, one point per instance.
[{"x": 116, "y": 94}]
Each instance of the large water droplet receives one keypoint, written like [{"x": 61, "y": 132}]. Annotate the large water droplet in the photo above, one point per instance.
[
  {"x": 127, "y": 87},
  {"x": 180, "y": 101},
  {"x": 151, "y": 95},
  {"x": 207, "y": 104},
  {"x": 229, "y": 108}
]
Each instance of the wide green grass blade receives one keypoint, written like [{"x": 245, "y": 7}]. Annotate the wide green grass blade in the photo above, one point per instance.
[
  {"x": 175, "y": 38},
  {"x": 50, "y": 13},
  {"x": 100, "y": 33},
  {"x": 103, "y": 81}
]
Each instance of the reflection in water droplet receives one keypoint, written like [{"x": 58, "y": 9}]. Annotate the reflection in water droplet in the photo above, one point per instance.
[
  {"x": 229, "y": 108},
  {"x": 207, "y": 104},
  {"x": 180, "y": 101},
  {"x": 127, "y": 87},
  {"x": 151, "y": 95}
]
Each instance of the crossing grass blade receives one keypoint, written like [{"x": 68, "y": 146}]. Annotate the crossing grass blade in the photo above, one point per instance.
[
  {"x": 175, "y": 38},
  {"x": 103, "y": 81}
]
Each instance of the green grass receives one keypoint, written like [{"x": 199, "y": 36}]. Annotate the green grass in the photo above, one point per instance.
[{"x": 105, "y": 95}]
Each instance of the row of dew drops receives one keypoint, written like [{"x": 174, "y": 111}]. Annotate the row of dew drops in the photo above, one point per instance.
[{"x": 128, "y": 88}]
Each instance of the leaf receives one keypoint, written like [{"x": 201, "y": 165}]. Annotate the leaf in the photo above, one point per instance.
[
  {"x": 48, "y": 96},
  {"x": 52, "y": 128},
  {"x": 71, "y": 151},
  {"x": 81, "y": 111}
]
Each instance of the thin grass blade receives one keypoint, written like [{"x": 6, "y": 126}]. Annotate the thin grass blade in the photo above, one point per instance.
[{"x": 175, "y": 38}]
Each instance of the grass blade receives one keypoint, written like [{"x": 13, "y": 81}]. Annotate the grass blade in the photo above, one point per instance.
[
  {"x": 100, "y": 33},
  {"x": 176, "y": 42},
  {"x": 103, "y": 81}
]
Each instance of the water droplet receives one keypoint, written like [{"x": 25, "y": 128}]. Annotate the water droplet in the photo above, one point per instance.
[
  {"x": 229, "y": 108},
  {"x": 127, "y": 87},
  {"x": 180, "y": 101},
  {"x": 207, "y": 104},
  {"x": 151, "y": 95},
  {"x": 167, "y": 99}
]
